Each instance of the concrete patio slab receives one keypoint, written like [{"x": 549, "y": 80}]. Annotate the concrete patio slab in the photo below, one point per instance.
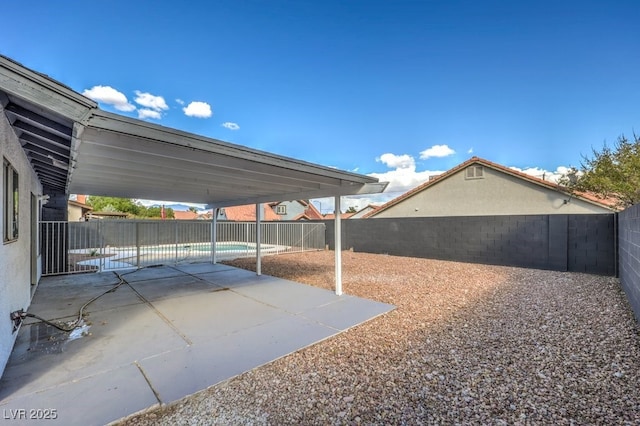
[
  {"x": 76, "y": 296},
  {"x": 346, "y": 312},
  {"x": 211, "y": 315},
  {"x": 186, "y": 371},
  {"x": 115, "y": 338},
  {"x": 164, "y": 334},
  {"x": 95, "y": 400},
  {"x": 199, "y": 268},
  {"x": 287, "y": 295},
  {"x": 173, "y": 287}
]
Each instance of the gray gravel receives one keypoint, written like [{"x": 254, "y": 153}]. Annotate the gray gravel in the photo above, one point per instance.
[{"x": 467, "y": 344}]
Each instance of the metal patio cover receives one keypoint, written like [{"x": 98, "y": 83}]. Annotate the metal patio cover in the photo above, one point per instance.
[{"x": 74, "y": 147}]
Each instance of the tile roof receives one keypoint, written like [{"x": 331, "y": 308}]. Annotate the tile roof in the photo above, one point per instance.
[
  {"x": 332, "y": 216},
  {"x": 247, "y": 213},
  {"x": 182, "y": 215},
  {"x": 589, "y": 197}
]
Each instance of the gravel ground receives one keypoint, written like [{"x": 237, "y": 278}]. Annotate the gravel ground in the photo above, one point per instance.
[{"x": 467, "y": 344}]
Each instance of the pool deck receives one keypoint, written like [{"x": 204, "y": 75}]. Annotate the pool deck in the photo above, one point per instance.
[{"x": 166, "y": 333}]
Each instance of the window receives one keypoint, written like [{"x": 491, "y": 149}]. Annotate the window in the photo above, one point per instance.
[
  {"x": 10, "y": 202},
  {"x": 474, "y": 172},
  {"x": 281, "y": 209}
]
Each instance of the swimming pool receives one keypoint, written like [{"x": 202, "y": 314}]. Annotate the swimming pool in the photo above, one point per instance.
[{"x": 228, "y": 247}]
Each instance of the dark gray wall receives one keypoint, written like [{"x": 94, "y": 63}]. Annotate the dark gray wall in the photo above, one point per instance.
[
  {"x": 629, "y": 247},
  {"x": 582, "y": 243}
]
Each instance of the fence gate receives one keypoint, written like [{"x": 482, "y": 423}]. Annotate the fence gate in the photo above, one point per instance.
[{"x": 104, "y": 245}]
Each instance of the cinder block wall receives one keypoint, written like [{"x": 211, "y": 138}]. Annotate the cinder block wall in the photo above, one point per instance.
[
  {"x": 629, "y": 255},
  {"x": 582, "y": 243}
]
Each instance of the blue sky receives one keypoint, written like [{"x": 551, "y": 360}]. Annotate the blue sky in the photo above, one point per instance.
[{"x": 398, "y": 89}]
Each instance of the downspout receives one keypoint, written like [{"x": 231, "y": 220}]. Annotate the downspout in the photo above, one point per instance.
[
  {"x": 338, "y": 246},
  {"x": 258, "y": 241}
]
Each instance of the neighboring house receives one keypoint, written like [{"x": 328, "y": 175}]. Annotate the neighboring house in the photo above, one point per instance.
[
  {"x": 332, "y": 216},
  {"x": 296, "y": 210},
  {"x": 188, "y": 215},
  {"x": 246, "y": 213},
  {"x": 364, "y": 211},
  {"x": 479, "y": 187},
  {"x": 78, "y": 209},
  {"x": 107, "y": 215}
]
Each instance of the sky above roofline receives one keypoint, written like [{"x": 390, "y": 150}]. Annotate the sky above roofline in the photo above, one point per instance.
[{"x": 396, "y": 90}]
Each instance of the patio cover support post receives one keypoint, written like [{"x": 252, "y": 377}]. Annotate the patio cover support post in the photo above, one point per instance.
[
  {"x": 258, "y": 241},
  {"x": 338, "y": 246},
  {"x": 214, "y": 235}
]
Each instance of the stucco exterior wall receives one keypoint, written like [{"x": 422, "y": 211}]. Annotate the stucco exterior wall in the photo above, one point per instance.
[
  {"x": 74, "y": 213},
  {"x": 294, "y": 209},
  {"x": 495, "y": 194},
  {"x": 15, "y": 256}
]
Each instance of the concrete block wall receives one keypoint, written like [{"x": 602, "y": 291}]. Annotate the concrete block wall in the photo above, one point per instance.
[
  {"x": 592, "y": 244},
  {"x": 629, "y": 255},
  {"x": 531, "y": 241}
]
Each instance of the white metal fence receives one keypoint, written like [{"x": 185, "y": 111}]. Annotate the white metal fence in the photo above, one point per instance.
[{"x": 101, "y": 245}]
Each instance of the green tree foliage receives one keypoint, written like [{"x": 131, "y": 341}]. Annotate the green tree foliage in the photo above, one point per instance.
[
  {"x": 610, "y": 173},
  {"x": 351, "y": 210},
  {"x": 126, "y": 205}
]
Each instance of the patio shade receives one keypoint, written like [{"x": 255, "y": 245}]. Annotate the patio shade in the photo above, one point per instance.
[{"x": 74, "y": 147}]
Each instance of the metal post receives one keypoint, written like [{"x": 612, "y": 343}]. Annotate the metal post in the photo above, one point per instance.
[
  {"x": 258, "y": 242},
  {"x": 176, "y": 240},
  {"x": 214, "y": 236},
  {"x": 101, "y": 267},
  {"x": 137, "y": 243},
  {"x": 338, "y": 247}
]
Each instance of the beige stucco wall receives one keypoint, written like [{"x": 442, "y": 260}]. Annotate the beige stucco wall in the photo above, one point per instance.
[
  {"x": 496, "y": 193},
  {"x": 74, "y": 213},
  {"x": 15, "y": 256}
]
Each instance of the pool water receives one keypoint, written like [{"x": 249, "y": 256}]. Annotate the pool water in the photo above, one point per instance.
[{"x": 206, "y": 247}]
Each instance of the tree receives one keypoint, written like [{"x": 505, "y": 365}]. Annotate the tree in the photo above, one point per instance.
[
  {"x": 610, "y": 173},
  {"x": 193, "y": 209},
  {"x": 126, "y": 205},
  {"x": 114, "y": 204},
  {"x": 351, "y": 210}
]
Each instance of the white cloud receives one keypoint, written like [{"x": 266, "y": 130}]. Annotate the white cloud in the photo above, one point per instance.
[
  {"x": 198, "y": 109},
  {"x": 403, "y": 179},
  {"x": 180, "y": 101},
  {"x": 149, "y": 113},
  {"x": 470, "y": 151},
  {"x": 156, "y": 103},
  {"x": 436, "y": 151},
  {"x": 327, "y": 205},
  {"x": 549, "y": 176},
  {"x": 393, "y": 161},
  {"x": 231, "y": 126},
  {"x": 110, "y": 96}
]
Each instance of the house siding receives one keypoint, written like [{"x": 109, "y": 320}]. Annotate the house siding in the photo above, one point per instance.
[
  {"x": 15, "y": 264},
  {"x": 294, "y": 209},
  {"x": 497, "y": 193}
]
